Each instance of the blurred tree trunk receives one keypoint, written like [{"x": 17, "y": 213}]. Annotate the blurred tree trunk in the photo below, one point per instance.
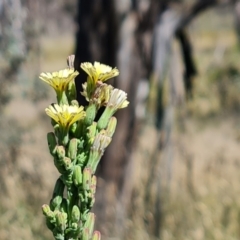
[{"x": 137, "y": 37}]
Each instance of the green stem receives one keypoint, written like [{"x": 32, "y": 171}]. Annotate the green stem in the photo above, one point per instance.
[{"x": 62, "y": 98}]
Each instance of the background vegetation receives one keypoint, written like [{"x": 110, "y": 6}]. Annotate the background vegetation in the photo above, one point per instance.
[{"x": 198, "y": 167}]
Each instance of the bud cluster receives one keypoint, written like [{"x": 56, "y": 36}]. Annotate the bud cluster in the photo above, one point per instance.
[{"x": 77, "y": 144}]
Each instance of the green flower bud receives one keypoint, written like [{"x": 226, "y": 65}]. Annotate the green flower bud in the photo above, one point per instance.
[
  {"x": 104, "y": 119},
  {"x": 61, "y": 221},
  {"x": 47, "y": 211},
  {"x": 117, "y": 100},
  {"x": 55, "y": 202},
  {"x": 77, "y": 176},
  {"x": 58, "y": 188},
  {"x": 87, "y": 175},
  {"x": 93, "y": 185},
  {"x": 90, "y": 114},
  {"x": 67, "y": 163},
  {"x": 89, "y": 224},
  {"x": 85, "y": 234},
  {"x": 74, "y": 226},
  {"x": 101, "y": 141},
  {"x": 75, "y": 214},
  {"x": 91, "y": 132},
  {"x": 73, "y": 128},
  {"x": 111, "y": 126},
  {"x": 64, "y": 138},
  {"x": 60, "y": 152},
  {"x": 71, "y": 91},
  {"x": 96, "y": 235},
  {"x": 52, "y": 143},
  {"x": 62, "y": 98},
  {"x": 72, "y": 149},
  {"x": 75, "y": 103}
]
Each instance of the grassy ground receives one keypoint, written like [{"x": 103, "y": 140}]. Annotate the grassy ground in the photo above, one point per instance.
[{"x": 202, "y": 200}]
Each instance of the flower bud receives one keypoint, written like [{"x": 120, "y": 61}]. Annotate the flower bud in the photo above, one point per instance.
[
  {"x": 90, "y": 114},
  {"x": 61, "y": 221},
  {"x": 89, "y": 224},
  {"x": 70, "y": 61},
  {"x": 47, "y": 211},
  {"x": 72, "y": 149},
  {"x": 85, "y": 234},
  {"x": 117, "y": 100},
  {"x": 55, "y": 202},
  {"x": 92, "y": 132},
  {"x": 75, "y": 214},
  {"x": 77, "y": 176},
  {"x": 67, "y": 163},
  {"x": 87, "y": 175},
  {"x": 60, "y": 152},
  {"x": 71, "y": 91},
  {"x": 64, "y": 138},
  {"x": 74, "y": 226},
  {"x": 111, "y": 126},
  {"x": 104, "y": 119},
  {"x": 96, "y": 235},
  {"x": 93, "y": 184},
  {"x": 52, "y": 143},
  {"x": 73, "y": 128},
  {"x": 100, "y": 142},
  {"x": 75, "y": 103}
]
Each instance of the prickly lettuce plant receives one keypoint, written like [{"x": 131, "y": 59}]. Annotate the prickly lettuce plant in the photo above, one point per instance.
[{"x": 77, "y": 144}]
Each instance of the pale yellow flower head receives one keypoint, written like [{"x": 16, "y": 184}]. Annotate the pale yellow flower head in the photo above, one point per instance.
[
  {"x": 101, "y": 94},
  {"x": 99, "y": 71},
  {"x": 118, "y": 99},
  {"x": 101, "y": 142},
  {"x": 59, "y": 80},
  {"x": 65, "y": 115}
]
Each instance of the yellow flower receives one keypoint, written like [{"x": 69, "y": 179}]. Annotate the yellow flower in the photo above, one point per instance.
[
  {"x": 99, "y": 72},
  {"x": 65, "y": 115},
  {"x": 101, "y": 94},
  {"x": 59, "y": 80}
]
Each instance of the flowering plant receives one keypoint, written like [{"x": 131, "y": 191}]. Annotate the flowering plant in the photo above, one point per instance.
[{"x": 77, "y": 145}]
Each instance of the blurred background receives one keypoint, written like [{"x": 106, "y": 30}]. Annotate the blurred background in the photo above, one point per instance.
[{"x": 172, "y": 170}]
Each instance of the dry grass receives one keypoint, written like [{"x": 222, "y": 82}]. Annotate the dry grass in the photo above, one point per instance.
[{"x": 198, "y": 169}]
